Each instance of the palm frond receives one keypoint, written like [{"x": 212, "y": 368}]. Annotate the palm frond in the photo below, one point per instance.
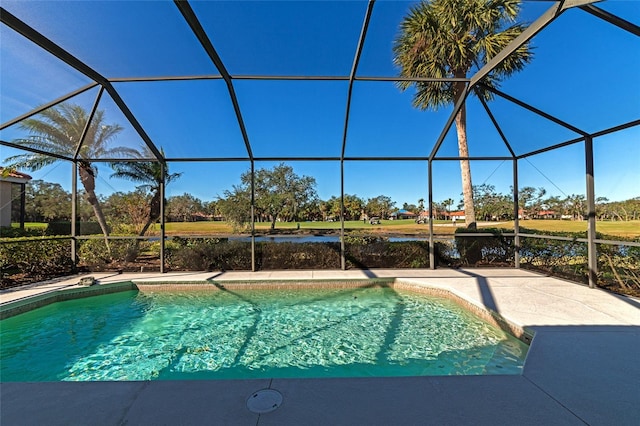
[
  {"x": 31, "y": 162},
  {"x": 447, "y": 38}
]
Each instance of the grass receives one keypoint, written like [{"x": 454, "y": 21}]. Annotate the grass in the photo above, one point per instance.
[
  {"x": 31, "y": 225},
  {"x": 629, "y": 229},
  {"x": 387, "y": 226}
]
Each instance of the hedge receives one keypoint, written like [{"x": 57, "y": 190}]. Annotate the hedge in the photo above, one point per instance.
[
  {"x": 64, "y": 228},
  {"x": 39, "y": 259},
  {"x": 494, "y": 249},
  {"x": 221, "y": 254}
]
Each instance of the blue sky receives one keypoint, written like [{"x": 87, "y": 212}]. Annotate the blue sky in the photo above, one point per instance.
[{"x": 584, "y": 72}]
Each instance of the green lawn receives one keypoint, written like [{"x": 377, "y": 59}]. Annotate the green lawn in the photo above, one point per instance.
[
  {"x": 621, "y": 229},
  {"x": 396, "y": 226},
  {"x": 30, "y": 225},
  {"x": 408, "y": 226}
]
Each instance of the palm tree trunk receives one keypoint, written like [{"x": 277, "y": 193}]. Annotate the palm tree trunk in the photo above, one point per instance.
[
  {"x": 89, "y": 183},
  {"x": 465, "y": 168},
  {"x": 154, "y": 212}
]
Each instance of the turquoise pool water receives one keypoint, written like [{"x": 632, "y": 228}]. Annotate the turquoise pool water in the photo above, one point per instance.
[{"x": 370, "y": 332}]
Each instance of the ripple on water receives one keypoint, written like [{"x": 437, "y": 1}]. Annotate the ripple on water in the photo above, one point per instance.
[{"x": 311, "y": 333}]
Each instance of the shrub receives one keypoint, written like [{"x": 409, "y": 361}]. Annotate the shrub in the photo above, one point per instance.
[
  {"x": 10, "y": 232},
  {"x": 618, "y": 265},
  {"x": 213, "y": 254},
  {"x": 207, "y": 254},
  {"x": 297, "y": 255},
  {"x": 94, "y": 254},
  {"x": 484, "y": 249},
  {"x": 385, "y": 254},
  {"x": 36, "y": 259}
]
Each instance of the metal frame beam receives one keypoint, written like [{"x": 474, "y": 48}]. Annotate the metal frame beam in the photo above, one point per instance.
[
  {"x": 34, "y": 36},
  {"x": 612, "y": 19},
  {"x": 551, "y": 148},
  {"x": 516, "y": 215},
  {"x": 495, "y": 123},
  {"x": 194, "y": 23},
  {"x": 87, "y": 125},
  {"x": 449, "y": 123},
  {"x": 163, "y": 183},
  {"x": 34, "y": 150},
  {"x": 352, "y": 75},
  {"x": 592, "y": 253},
  {"x": 538, "y": 25},
  {"x": 259, "y": 77},
  {"x": 48, "y": 105},
  {"x": 535, "y": 110}
]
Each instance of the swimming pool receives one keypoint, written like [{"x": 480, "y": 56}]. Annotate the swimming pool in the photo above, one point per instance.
[{"x": 358, "y": 332}]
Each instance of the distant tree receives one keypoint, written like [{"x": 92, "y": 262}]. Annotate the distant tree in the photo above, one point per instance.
[
  {"x": 280, "y": 192},
  {"x": 128, "y": 211},
  {"x": 576, "y": 206},
  {"x": 45, "y": 201},
  {"x": 150, "y": 175},
  {"x": 353, "y": 207},
  {"x": 491, "y": 204},
  {"x": 625, "y": 210},
  {"x": 381, "y": 206},
  {"x": 447, "y": 204},
  {"x": 555, "y": 204},
  {"x": 311, "y": 211},
  {"x": 235, "y": 206},
  {"x": 410, "y": 208},
  {"x": 212, "y": 208},
  {"x": 58, "y": 130},
  {"x": 530, "y": 200},
  {"x": 447, "y": 38},
  {"x": 181, "y": 208},
  {"x": 331, "y": 208},
  {"x": 602, "y": 211}
]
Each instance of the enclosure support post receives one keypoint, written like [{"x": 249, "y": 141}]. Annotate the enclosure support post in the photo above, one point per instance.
[
  {"x": 163, "y": 173},
  {"x": 432, "y": 255},
  {"x": 253, "y": 219},
  {"x": 516, "y": 211},
  {"x": 74, "y": 214},
  {"x": 23, "y": 203},
  {"x": 591, "y": 214},
  {"x": 343, "y": 262}
]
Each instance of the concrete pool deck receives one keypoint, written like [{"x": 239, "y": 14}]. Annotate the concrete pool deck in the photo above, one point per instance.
[{"x": 582, "y": 367}]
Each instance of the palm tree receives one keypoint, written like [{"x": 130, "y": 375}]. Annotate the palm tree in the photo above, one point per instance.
[
  {"x": 448, "y": 38},
  {"x": 58, "y": 130},
  {"x": 149, "y": 174},
  {"x": 447, "y": 205}
]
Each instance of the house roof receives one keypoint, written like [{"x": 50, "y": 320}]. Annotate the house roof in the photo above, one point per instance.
[
  {"x": 403, "y": 212},
  {"x": 8, "y": 175}
]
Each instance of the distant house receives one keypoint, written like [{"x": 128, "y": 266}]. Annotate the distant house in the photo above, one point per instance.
[
  {"x": 542, "y": 214},
  {"x": 402, "y": 214},
  {"x": 8, "y": 178},
  {"x": 546, "y": 214},
  {"x": 201, "y": 217},
  {"x": 458, "y": 215}
]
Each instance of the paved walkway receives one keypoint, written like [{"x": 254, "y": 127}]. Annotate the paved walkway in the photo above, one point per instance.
[{"x": 582, "y": 368}]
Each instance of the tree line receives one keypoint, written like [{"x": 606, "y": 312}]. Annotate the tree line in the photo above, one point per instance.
[{"x": 282, "y": 195}]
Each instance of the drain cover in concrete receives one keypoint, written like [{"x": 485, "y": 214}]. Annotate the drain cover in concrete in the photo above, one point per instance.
[{"x": 264, "y": 401}]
